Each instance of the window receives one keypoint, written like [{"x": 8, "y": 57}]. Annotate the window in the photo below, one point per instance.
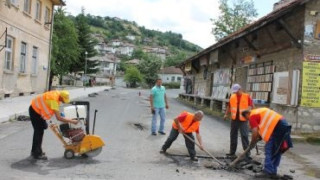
[
  {"x": 179, "y": 79},
  {"x": 38, "y": 10},
  {"x": 172, "y": 79},
  {"x": 34, "y": 60},
  {"x": 15, "y": 2},
  {"x": 47, "y": 15},
  {"x": 23, "y": 57},
  {"x": 27, "y": 6},
  {"x": 8, "y": 54}
]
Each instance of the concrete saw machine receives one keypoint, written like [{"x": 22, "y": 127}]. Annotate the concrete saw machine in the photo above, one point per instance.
[{"x": 76, "y": 138}]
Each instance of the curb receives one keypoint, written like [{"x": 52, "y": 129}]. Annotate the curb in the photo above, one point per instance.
[{"x": 14, "y": 116}]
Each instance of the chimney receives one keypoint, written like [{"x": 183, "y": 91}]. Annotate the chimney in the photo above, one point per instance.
[{"x": 281, "y": 4}]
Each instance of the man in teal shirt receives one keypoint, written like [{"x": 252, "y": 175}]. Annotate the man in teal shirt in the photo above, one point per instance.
[{"x": 158, "y": 101}]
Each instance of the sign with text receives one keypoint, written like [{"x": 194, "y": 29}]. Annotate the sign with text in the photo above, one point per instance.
[{"x": 311, "y": 85}]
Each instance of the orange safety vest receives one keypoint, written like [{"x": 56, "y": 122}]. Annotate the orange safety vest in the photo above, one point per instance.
[
  {"x": 39, "y": 104},
  {"x": 243, "y": 105},
  {"x": 268, "y": 121},
  {"x": 188, "y": 124}
]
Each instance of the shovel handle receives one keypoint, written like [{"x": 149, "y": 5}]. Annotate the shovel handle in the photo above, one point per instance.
[
  {"x": 219, "y": 162},
  {"x": 233, "y": 163}
]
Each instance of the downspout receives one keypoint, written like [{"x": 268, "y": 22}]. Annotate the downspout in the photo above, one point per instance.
[{"x": 50, "y": 48}]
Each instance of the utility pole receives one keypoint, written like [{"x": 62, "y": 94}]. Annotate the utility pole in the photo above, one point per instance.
[
  {"x": 113, "y": 71},
  {"x": 85, "y": 71}
]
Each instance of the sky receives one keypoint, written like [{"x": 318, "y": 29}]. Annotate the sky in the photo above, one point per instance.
[{"x": 191, "y": 18}]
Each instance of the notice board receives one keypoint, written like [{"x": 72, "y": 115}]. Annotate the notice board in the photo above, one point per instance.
[{"x": 311, "y": 84}]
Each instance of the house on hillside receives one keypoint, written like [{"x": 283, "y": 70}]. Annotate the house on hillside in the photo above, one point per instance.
[
  {"x": 158, "y": 51},
  {"x": 25, "y": 28},
  {"x": 108, "y": 64},
  {"x": 133, "y": 62},
  {"x": 276, "y": 59},
  {"x": 126, "y": 49}
]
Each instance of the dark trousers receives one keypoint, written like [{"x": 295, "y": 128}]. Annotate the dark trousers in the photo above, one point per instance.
[
  {"x": 273, "y": 152},
  {"x": 39, "y": 125},
  {"x": 237, "y": 125},
  {"x": 189, "y": 144}
]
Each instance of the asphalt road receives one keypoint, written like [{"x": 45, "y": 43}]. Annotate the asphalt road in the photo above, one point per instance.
[{"x": 130, "y": 151}]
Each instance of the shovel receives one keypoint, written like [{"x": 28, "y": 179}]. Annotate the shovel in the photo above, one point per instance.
[
  {"x": 215, "y": 159},
  {"x": 233, "y": 163}
]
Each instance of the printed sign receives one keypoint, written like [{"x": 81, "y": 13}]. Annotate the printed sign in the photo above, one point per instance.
[
  {"x": 312, "y": 57},
  {"x": 311, "y": 85},
  {"x": 187, "y": 66}
]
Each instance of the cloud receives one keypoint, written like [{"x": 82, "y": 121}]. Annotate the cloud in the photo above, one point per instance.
[{"x": 190, "y": 18}]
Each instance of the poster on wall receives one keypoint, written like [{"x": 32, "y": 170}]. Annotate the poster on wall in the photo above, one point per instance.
[
  {"x": 221, "y": 77},
  {"x": 310, "y": 85},
  {"x": 282, "y": 92},
  {"x": 221, "y": 84},
  {"x": 201, "y": 89}
]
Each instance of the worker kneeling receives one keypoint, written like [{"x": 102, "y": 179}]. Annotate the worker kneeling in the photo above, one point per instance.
[
  {"x": 275, "y": 131},
  {"x": 186, "y": 123}
]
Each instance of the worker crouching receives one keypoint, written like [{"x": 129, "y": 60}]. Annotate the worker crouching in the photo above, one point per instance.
[
  {"x": 186, "y": 123},
  {"x": 271, "y": 127}
]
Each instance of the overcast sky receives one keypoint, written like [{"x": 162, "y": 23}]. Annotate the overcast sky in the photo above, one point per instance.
[{"x": 191, "y": 18}]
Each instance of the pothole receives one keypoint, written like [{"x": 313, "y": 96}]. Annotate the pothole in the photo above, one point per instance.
[{"x": 139, "y": 126}]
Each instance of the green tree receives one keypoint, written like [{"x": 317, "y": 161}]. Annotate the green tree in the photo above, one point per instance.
[
  {"x": 133, "y": 76},
  {"x": 138, "y": 54},
  {"x": 233, "y": 17},
  {"x": 65, "y": 50},
  {"x": 149, "y": 68},
  {"x": 175, "y": 59},
  {"x": 86, "y": 44}
]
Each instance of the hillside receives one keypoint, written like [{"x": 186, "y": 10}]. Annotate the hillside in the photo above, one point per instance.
[{"x": 114, "y": 28}]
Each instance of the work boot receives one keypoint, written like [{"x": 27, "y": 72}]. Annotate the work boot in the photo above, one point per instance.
[
  {"x": 195, "y": 159},
  {"x": 264, "y": 175},
  {"x": 161, "y": 132},
  {"x": 41, "y": 157},
  {"x": 231, "y": 155},
  {"x": 163, "y": 151}
]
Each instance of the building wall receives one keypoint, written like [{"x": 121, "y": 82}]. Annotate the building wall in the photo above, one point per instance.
[
  {"x": 167, "y": 78},
  {"x": 23, "y": 27},
  {"x": 308, "y": 119}
]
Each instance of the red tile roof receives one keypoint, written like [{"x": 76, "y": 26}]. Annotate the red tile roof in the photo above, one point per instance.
[{"x": 170, "y": 70}]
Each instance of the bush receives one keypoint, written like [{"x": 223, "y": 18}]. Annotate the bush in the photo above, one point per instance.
[
  {"x": 132, "y": 77},
  {"x": 172, "y": 85}
]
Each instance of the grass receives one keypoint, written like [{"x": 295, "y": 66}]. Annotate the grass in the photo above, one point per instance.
[{"x": 312, "y": 138}]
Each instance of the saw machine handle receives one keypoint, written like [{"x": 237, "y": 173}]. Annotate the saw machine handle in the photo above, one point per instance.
[{"x": 94, "y": 120}]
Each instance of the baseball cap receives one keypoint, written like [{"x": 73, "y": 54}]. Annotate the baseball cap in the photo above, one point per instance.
[
  {"x": 65, "y": 96},
  {"x": 235, "y": 88}
]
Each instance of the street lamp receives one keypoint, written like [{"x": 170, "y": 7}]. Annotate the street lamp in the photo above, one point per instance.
[{"x": 85, "y": 70}]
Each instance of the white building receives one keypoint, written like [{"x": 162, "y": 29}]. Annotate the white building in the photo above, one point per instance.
[
  {"x": 170, "y": 74},
  {"x": 108, "y": 64}
]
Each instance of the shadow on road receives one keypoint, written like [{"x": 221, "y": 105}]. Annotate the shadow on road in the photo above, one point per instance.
[{"x": 43, "y": 167}]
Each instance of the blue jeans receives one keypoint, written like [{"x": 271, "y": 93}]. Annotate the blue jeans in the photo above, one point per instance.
[
  {"x": 162, "y": 113},
  {"x": 272, "y": 149}
]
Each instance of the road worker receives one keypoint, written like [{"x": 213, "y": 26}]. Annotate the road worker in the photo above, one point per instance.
[
  {"x": 42, "y": 108},
  {"x": 186, "y": 123},
  {"x": 239, "y": 102},
  {"x": 271, "y": 127}
]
